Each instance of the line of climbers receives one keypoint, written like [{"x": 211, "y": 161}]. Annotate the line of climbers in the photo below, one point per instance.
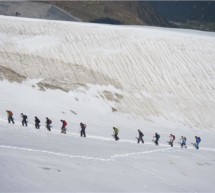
[
  {"x": 156, "y": 138},
  {"x": 48, "y": 123},
  {"x": 83, "y": 126}
]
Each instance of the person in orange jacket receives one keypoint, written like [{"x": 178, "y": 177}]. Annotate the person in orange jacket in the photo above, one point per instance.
[{"x": 10, "y": 116}]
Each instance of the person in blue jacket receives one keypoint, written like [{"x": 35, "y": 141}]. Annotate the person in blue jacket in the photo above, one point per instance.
[{"x": 198, "y": 140}]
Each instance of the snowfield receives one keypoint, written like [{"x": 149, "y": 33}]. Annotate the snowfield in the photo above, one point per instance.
[
  {"x": 41, "y": 161},
  {"x": 153, "y": 79}
]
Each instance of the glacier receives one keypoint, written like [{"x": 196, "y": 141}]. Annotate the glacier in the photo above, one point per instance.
[{"x": 153, "y": 79}]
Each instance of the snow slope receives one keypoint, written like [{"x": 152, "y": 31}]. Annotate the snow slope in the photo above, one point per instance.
[
  {"x": 36, "y": 161},
  {"x": 155, "y": 72},
  {"x": 41, "y": 161},
  {"x": 153, "y": 79}
]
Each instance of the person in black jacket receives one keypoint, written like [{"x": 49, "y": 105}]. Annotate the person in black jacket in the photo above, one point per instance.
[
  {"x": 37, "y": 122},
  {"x": 83, "y": 128},
  {"x": 172, "y": 139},
  {"x": 140, "y": 138},
  {"x": 24, "y": 119},
  {"x": 48, "y": 124},
  {"x": 157, "y": 137}
]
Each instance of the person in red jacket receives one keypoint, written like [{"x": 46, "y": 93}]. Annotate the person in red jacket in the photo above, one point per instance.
[{"x": 63, "y": 128}]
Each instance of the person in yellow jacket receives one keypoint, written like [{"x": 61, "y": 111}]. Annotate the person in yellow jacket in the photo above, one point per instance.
[
  {"x": 116, "y": 132},
  {"x": 10, "y": 116}
]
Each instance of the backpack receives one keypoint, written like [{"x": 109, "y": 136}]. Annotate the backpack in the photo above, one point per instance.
[
  {"x": 65, "y": 123},
  {"x": 199, "y": 139},
  {"x": 116, "y": 130},
  {"x": 173, "y": 137},
  {"x": 50, "y": 121},
  {"x": 158, "y": 136},
  {"x": 141, "y": 134},
  {"x": 10, "y": 113}
]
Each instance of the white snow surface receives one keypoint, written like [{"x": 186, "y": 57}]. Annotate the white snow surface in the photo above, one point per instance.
[{"x": 159, "y": 80}]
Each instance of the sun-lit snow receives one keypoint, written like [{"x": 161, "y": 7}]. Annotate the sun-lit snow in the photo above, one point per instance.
[
  {"x": 153, "y": 79},
  {"x": 38, "y": 160},
  {"x": 165, "y": 73}
]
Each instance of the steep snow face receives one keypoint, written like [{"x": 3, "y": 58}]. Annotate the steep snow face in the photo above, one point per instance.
[{"x": 155, "y": 72}]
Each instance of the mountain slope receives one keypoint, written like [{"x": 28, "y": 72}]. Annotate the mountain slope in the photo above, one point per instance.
[
  {"x": 149, "y": 72},
  {"x": 115, "y": 12},
  {"x": 153, "y": 79},
  {"x": 35, "y": 9},
  {"x": 188, "y": 14},
  {"x": 186, "y": 10}
]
